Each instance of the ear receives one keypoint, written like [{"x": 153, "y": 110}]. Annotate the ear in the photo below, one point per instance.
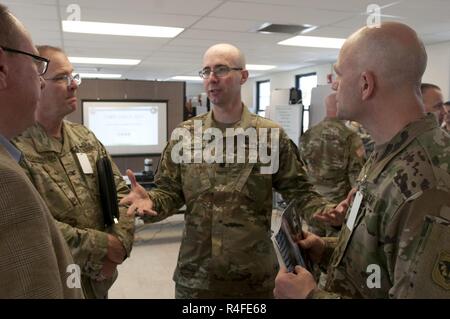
[
  {"x": 367, "y": 85},
  {"x": 244, "y": 76},
  {"x": 3, "y": 70}
]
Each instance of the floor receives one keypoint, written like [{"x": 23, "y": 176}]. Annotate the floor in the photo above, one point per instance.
[{"x": 147, "y": 274}]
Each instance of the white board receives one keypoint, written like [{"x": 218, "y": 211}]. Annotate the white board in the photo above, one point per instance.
[{"x": 288, "y": 117}]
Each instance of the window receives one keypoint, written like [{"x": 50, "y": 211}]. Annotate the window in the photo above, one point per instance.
[
  {"x": 262, "y": 97},
  {"x": 306, "y": 82}
]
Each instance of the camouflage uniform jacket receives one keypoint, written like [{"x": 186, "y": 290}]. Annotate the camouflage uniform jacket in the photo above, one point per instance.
[
  {"x": 73, "y": 197},
  {"x": 399, "y": 246},
  {"x": 227, "y": 243},
  {"x": 332, "y": 155}
]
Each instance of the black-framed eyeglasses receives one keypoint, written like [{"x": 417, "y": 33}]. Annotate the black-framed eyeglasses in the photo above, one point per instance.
[
  {"x": 219, "y": 71},
  {"x": 41, "y": 63},
  {"x": 68, "y": 78}
]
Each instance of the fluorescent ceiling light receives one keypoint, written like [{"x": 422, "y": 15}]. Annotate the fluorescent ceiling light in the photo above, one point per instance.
[
  {"x": 120, "y": 29},
  {"x": 99, "y": 76},
  {"x": 259, "y": 67},
  {"x": 186, "y": 78},
  {"x": 82, "y": 60},
  {"x": 314, "y": 42},
  {"x": 309, "y": 29}
]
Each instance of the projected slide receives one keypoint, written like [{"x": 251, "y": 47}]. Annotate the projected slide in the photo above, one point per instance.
[
  {"x": 133, "y": 126},
  {"x": 128, "y": 127}
]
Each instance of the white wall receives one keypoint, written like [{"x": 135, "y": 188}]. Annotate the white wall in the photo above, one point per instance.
[
  {"x": 194, "y": 89},
  {"x": 283, "y": 80},
  {"x": 438, "y": 68},
  {"x": 437, "y": 72}
]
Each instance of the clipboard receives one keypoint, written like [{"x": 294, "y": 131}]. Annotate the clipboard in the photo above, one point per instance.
[
  {"x": 284, "y": 243},
  {"x": 108, "y": 192}
]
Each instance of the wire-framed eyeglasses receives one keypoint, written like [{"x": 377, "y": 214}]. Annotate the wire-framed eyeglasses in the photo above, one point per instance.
[
  {"x": 68, "y": 78},
  {"x": 219, "y": 71}
]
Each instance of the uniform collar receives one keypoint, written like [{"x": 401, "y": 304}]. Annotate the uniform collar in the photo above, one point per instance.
[
  {"x": 383, "y": 154},
  {"x": 246, "y": 121},
  {"x": 11, "y": 149},
  {"x": 45, "y": 143}
]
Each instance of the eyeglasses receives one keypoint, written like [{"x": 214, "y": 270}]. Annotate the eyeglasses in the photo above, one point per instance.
[
  {"x": 219, "y": 71},
  {"x": 41, "y": 63},
  {"x": 67, "y": 78}
]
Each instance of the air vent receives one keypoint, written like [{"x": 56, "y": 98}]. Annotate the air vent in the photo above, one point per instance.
[{"x": 284, "y": 28}]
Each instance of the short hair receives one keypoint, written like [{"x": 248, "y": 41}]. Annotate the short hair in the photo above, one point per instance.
[
  {"x": 42, "y": 49},
  {"x": 426, "y": 86},
  {"x": 9, "y": 31}
]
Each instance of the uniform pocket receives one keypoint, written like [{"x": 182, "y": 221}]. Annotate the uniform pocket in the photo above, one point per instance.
[
  {"x": 195, "y": 180},
  {"x": 430, "y": 262},
  {"x": 344, "y": 237}
]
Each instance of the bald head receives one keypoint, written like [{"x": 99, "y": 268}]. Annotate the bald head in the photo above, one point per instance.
[
  {"x": 227, "y": 52},
  {"x": 331, "y": 105},
  {"x": 11, "y": 30},
  {"x": 393, "y": 52}
]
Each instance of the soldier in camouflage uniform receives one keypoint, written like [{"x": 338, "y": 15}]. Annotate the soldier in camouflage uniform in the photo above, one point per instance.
[
  {"x": 433, "y": 100},
  {"x": 446, "y": 123},
  {"x": 395, "y": 242},
  {"x": 367, "y": 140},
  {"x": 226, "y": 250},
  {"x": 333, "y": 156},
  {"x": 51, "y": 158}
]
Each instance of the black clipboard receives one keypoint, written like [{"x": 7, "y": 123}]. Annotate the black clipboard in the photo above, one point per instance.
[{"x": 108, "y": 192}]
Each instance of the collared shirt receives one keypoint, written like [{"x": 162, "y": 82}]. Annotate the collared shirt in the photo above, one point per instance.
[
  {"x": 398, "y": 245},
  {"x": 226, "y": 245},
  {"x": 11, "y": 149},
  {"x": 73, "y": 196}
]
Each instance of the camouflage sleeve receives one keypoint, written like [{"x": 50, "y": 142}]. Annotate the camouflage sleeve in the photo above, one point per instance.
[
  {"x": 88, "y": 247},
  {"x": 420, "y": 253},
  {"x": 291, "y": 182},
  {"x": 322, "y": 294},
  {"x": 356, "y": 158},
  {"x": 168, "y": 195},
  {"x": 124, "y": 229},
  {"x": 330, "y": 245}
]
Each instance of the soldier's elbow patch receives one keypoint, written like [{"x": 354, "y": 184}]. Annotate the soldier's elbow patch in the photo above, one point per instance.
[{"x": 430, "y": 265}]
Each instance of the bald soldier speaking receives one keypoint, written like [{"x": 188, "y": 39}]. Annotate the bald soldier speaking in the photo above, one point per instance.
[{"x": 226, "y": 250}]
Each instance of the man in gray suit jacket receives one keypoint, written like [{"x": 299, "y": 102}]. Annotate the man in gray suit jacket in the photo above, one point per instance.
[{"x": 35, "y": 260}]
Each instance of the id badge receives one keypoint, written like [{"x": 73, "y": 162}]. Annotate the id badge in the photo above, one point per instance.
[
  {"x": 354, "y": 211},
  {"x": 84, "y": 163}
]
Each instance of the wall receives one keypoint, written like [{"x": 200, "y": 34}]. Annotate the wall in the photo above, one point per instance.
[
  {"x": 438, "y": 68},
  {"x": 174, "y": 92},
  {"x": 282, "y": 80},
  {"x": 194, "y": 89},
  {"x": 437, "y": 72}
]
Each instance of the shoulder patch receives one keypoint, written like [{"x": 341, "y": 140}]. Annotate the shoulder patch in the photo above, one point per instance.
[{"x": 441, "y": 270}]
